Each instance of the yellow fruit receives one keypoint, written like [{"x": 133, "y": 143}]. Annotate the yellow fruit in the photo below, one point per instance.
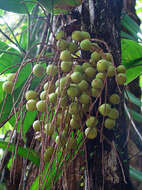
[
  {"x": 102, "y": 65},
  {"x": 109, "y": 123},
  {"x": 51, "y": 70},
  {"x": 65, "y": 55},
  {"x": 113, "y": 114},
  {"x": 104, "y": 109},
  {"x": 38, "y": 70},
  {"x": 121, "y": 78},
  {"x": 7, "y": 87},
  {"x": 91, "y": 121},
  {"x": 86, "y": 45},
  {"x": 48, "y": 153},
  {"x": 31, "y": 94},
  {"x": 11, "y": 76},
  {"x": 41, "y": 106},
  {"x": 91, "y": 133},
  {"x": 114, "y": 99},
  {"x": 121, "y": 69},
  {"x": 77, "y": 36},
  {"x": 31, "y": 105},
  {"x": 97, "y": 83},
  {"x": 37, "y": 125}
]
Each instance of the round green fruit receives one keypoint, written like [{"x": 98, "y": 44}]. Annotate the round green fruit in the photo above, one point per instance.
[
  {"x": 86, "y": 45},
  {"x": 60, "y": 35},
  {"x": 48, "y": 153},
  {"x": 73, "y": 108},
  {"x": 31, "y": 105},
  {"x": 121, "y": 69},
  {"x": 65, "y": 55},
  {"x": 77, "y": 68},
  {"x": 84, "y": 98},
  {"x": 91, "y": 121},
  {"x": 62, "y": 45},
  {"x": 75, "y": 124},
  {"x": 31, "y": 94},
  {"x": 7, "y": 87},
  {"x": 85, "y": 66},
  {"x": 113, "y": 114},
  {"x": 108, "y": 57},
  {"x": 70, "y": 144},
  {"x": 53, "y": 98},
  {"x": 91, "y": 133},
  {"x": 73, "y": 91},
  {"x": 97, "y": 83},
  {"x": 111, "y": 71},
  {"x": 76, "y": 77},
  {"x": 41, "y": 106},
  {"x": 38, "y": 70},
  {"x": 95, "y": 92},
  {"x": 11, "y": 76},
  {"x": 72, "y": 47},
  {"x": 37, "y": 125},
  {"x": 101, "y": 76},
  {"x": 50, "y": 129},
  {"x": 43, "y": 95},
  {"x": 66, "y": 66},
  {"x": 90, "y": 72},
  {"x": 49, "y": 87},
  {"x": 77, "y": 36},
  {"x": 104, "y": 109},
  {"x": 64, "y": 101},
  {"x": 109, "y": 123},
  {"x": 95, "y": 57},
  {"x": 102, "y": 65},
  {"x": 121, "y": 78},
  {"x": 114, "y": 99},
  {"x": 83, "y": 85},
  {"x": 51, "y": 70},
  {"x": 85, "y": 35},
  {"x": 64, "y": 82}
]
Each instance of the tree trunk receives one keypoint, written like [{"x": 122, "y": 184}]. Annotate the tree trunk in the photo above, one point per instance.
[{"x": 108, "y": 167}]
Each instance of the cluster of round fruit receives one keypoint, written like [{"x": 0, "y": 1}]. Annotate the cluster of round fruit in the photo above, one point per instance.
[
  {"x": 72, "y": 93},
  {"x": 8, "y": 85}
]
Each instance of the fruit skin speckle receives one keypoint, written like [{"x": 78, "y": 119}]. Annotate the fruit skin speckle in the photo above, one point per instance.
[{"x": 7, "y": 87}]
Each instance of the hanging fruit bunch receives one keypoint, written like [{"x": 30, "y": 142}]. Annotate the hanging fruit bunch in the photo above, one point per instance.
[{"x": 74, "y": 87}]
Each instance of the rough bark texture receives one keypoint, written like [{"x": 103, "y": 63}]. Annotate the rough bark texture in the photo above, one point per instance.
[{"x": 105, "y": 171}]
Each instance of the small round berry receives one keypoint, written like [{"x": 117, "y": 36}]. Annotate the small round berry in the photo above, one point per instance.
[
  {"x": 91, "y": 121},
  {"x": 31, "y": 105},
  {"x": 85, "y": 35},
  {"x": 66, "y": 66},
  {"x": 114, "y": 99},
  {"x": 41, "y": 106},
  {"x": 51, "y": 70},
  {"x": 113, "y": 114},
  {"x": 121, "y": 69},
  {"x": 7, "y": 87},
  {"x": 104, "y": 109},
  {"x": 76, "y": 77},
  {"x": 91, "y": 133},
  {"x": 102, "y": 65},
  {"x": 65, "y": 55},
  {"x": 84, "y": 98},
  {"x": 86, "y": 45},
  {"x": 97, "y": 83},
  {"x": 38, "y": 70},
  {"x": 121, "y": 78},
  {"x": 62, "y": 45},
  {"x": 77, "y": 36},
  {"x": 48, "y": 153},
  {"x": 109, "y": 123},
  {"x": 11, "y": 76},
  {"x": 90, "y": 72},
  {"x": 60, "y": 35},
  {"x": 31, "y": 94},
  {"x": 37, "y": 125}
]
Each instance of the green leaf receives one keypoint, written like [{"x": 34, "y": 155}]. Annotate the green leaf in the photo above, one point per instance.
[
  {"x": 130, "y": 97},
  {"x": 136, "y": 116},
  {"x": 60, "y": 6},
  {"x": 16, "y": 6},
  {"x": 131, "y": 60},
  {"x": 24, "y": 152},
  {"x": 136, "y": 174}
]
